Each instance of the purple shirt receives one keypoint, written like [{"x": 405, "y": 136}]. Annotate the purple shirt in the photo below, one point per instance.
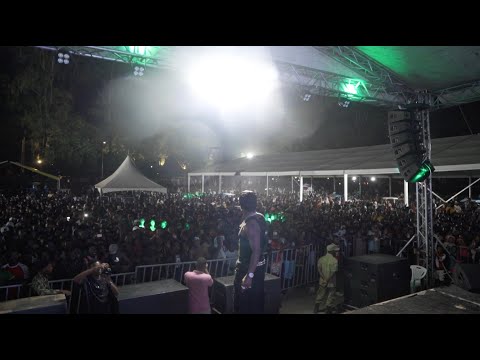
[{"x": 198, "y": 284}]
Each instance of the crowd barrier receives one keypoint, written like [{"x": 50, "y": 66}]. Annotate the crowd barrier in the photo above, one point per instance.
[{"x": 296, "y": 267}]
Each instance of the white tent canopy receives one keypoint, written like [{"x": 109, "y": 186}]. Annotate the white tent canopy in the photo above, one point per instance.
[{"x": 128, "y": 178}]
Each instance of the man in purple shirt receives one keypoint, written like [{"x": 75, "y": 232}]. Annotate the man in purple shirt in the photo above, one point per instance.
[{"x": 198, "y": 281}]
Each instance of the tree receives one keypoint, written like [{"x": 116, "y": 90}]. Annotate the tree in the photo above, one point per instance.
[{"x": 40, "y": 97}]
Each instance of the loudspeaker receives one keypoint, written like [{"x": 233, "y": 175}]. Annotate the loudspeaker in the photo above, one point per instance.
[
  {"x": 223, "y": 294},
  {"x": 48, "y": 304},
  {"x": 405, "y": 132},
  {"x": 370, "y": 279},
  {"x": 156, "y": 297},
  {"x": 467, "y": 276}
]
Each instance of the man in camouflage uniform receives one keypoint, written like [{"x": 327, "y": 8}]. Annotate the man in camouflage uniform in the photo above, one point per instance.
[{"x": 327, "y": 265}]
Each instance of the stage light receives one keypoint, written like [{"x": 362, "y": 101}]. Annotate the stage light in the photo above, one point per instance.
[
  {"x": 423, "y": 172},
  {"x": 354, "y": 178},
  {"x": 164, "y": 224},
  {"x": 142, "y": 223},
  {"x": 373, "y": 178},
  {"x": 249, "y": 155},
  {"x": 151, "y": 166},
  {"x": 163, "y": 159},
  {"x": 138, "y": 70},
  {"x": 39, "y": 161},
  {"x": 344, "y": 103},
  {"x": 63, "y": 57},
  {"x": 85, "y": 215},
  {"x": 104, "y": 143},
  {"x": 232, "y": 82}
]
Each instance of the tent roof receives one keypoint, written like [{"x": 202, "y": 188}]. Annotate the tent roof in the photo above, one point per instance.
[
  {"x": 128, "y": 178},
  {"x": 452, "y": 154}
]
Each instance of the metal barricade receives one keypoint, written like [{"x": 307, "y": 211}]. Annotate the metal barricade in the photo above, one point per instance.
[
  {"x": 295, "y": 266},
  {"x": 10, "y": 292}
]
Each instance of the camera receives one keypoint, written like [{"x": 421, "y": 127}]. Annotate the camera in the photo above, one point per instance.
[{"x": 107, "y": 271}]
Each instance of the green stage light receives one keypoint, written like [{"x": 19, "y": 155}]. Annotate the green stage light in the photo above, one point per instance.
[
  {"x": 152, "y": 225},
  {"x": 142, "y": 223},
  {"x": 351, "y": 89},
  {"x": 423, "y": 172},
  {"x": 164, "y": 224},
  {"x": 187, "y": 226}
]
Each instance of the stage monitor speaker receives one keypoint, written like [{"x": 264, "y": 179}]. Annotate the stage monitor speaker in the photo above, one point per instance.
[
  {"x": 48, "y": 304},
  {"x": 223, "y": 294},
  {"x": 370, "y": 279},
  {"x": 467, "y": 276},
  {"x": 156, "y": 297}
]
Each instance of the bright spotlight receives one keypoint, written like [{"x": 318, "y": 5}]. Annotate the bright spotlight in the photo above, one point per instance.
[
  {"x": 373, "y": 178},
  {"x": 249, "y": 155},
  {"x": 85, "y": 215},
  {"x": 39, "y": 161},
  {"x": 354, "y": 178},
  {"x": 232, "y": 82},
  {"x": 104, "y": 143},
  {"x": 138, "y": 70},
  {"x": 63, "y": 57},
  {"x": 151, "y": 166}
]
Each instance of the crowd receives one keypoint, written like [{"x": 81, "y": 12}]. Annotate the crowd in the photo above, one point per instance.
[{"x": 40, "y": 227}]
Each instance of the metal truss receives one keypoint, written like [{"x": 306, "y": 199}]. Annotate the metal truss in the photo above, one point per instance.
[
  {"x": 381, "y": 88},
  {"x": 424, "y": 238},
  {"x": 116, "y": 53},
  {"x": 377, "y": 74},
  {"x": 457, "y": 95},
  {"x": 369, "y": 70},
  {"x": 324, "y": 83}
]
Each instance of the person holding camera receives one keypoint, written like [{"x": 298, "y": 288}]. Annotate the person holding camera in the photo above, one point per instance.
[{"x": 98, "y": 294}]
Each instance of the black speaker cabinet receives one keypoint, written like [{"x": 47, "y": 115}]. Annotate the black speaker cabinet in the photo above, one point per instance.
[
  {"x": 48, "y": 304},
  {"x": 370, "y": 279},
  {"x": 467, "y": 276},
  {"x": 156, "y": 297},
  {"x": 223, "y": 294}
]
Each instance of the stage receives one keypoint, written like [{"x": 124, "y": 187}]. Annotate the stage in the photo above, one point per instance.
[{"x": 442, "y": 300}]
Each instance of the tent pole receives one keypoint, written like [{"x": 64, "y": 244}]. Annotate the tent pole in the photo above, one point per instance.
[
  {"x": 470, "y": 187},
  {"x": 301, "y": 188}
]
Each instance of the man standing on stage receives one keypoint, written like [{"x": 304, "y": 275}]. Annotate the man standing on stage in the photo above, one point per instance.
[
  {"x": 327, "y": 265},
  {"x": 250, "y": 268}
]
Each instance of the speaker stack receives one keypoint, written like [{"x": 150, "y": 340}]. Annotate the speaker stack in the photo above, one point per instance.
[
  {"x": 223, "y": 294},
  {"x": 467, "y": 276},
  {"x": 370, "y": 279},
  {"x": 406, "y": 137}
]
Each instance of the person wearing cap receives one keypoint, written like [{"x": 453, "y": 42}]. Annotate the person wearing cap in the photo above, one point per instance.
[
  {"x": 248, "y": 286},
  {"x": 327, "y": 267},
  {"x": 40, "y": 281}
]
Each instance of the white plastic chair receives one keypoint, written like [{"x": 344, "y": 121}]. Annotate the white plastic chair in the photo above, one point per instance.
[{"x": 418, "y": 273}]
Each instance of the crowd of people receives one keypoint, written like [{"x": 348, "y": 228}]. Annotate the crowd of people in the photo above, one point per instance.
[{"x": 72, "y": 232}]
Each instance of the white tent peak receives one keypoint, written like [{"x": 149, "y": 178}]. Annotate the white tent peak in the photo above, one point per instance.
[{"x": 128, "y": 178}]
